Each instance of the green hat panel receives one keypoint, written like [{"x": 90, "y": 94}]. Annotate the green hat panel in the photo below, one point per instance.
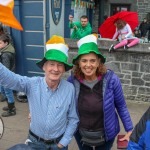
[
  {"x": 88, "y": 46},
  {"x": 57, "y": 50}
]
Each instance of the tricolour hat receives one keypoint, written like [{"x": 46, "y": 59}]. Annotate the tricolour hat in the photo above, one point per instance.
[
  {"x": 56, "y": 50},
  {"x": 87, "y": 45}
]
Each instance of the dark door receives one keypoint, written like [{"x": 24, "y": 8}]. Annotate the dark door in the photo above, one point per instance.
[{"x": 115, "y": 8}]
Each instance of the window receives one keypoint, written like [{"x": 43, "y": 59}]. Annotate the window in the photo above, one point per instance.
[{"x": 115, "y": 8}]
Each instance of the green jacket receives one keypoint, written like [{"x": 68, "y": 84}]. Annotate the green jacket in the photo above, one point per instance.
[{"x": 81, "y": 31}]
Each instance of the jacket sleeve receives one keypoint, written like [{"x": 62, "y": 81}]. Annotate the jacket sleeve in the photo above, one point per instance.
[
  {"x": 140, "y": 27},
  {"x": 121, "y": 106},
  {"x": 6, "y": 60},
  {"x": 138, "y": 135},
  {"x": 87, "y": 31},
  {"x": 133, "y": 146}
]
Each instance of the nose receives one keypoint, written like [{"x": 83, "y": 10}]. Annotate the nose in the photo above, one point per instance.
[
  {"x": 88, "y": 63},
  {"x": 55, "y": 68}
]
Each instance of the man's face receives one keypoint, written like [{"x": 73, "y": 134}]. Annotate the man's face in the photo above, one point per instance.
[
  {"x": 53, "y": 71},
  {"x": 2, "y": 44},
  {"x": 84, "y": 21}
]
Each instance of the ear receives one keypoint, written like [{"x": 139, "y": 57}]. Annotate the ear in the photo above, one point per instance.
[
  {"x": 6, "y": 43},
  {"x": 43, "y": 67}
]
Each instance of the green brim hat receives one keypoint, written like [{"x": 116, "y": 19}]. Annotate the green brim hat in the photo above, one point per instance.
[
  {"x": 57, "y": 50},
  {"x": 87, "y": 45}
]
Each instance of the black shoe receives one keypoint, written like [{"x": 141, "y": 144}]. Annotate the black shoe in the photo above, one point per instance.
[
  {"x": 126, "y": 47},
  {"x": 111, "y": 48},
  {"x": 6, "y": 108},
  {"x": 8, "y": 113}
]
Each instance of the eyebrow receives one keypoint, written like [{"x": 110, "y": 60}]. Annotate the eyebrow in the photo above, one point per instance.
[{"x": 88, "y": 59}]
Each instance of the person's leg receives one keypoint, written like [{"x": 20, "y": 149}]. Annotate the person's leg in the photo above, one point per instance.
[
  {"x": 20, "y": 147},
  {"x": 3, "y": 96},
  {"x": 107, "y": 146},
  {"x": 11, "y": 103},
  {"x": 121, "y": 44},
  {"x": 35, "y": 144},
  {"x": 79, "y": 143},
  {"x": 133, "y": 42}
]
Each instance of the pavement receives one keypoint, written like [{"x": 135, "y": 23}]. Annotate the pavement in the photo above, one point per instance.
[{"x": 16, "y": 127}]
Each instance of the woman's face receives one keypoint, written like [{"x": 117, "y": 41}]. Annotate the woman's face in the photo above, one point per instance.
[{"x": 89, "y": 64}]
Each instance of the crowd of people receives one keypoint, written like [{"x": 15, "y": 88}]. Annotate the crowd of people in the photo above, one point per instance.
[
  {"x": 143, "y": 31},
  {"x": 94, "y": 101},
  {"x": 7, "y": 58}
]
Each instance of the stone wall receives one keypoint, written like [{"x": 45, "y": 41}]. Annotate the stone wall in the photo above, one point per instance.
[
  {"x": 132, "y": 66},
  {"x": 143, "y": 8}
]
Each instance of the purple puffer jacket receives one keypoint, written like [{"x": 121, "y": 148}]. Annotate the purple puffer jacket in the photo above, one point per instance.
[{"x": 113, "y": 100}]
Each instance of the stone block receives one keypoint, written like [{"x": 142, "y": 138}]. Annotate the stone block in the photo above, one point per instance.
[
  {"x": 137, "y": 81},
  {"x": 146, "y": 77},
  {"x": 120, "y": 75},
  {"x": 147, "y": 84},
  {"x": 129, "y": 66},
  {"x": 144, "y": 98},
  {"x": 126, "y": 72},
  {"x": 130, "y": 97},
  {"x": 144, "y": 90},
  {"x": 145, "y": 66},
  {"x": 113, "y": 66},
  {"x": 127, "y": 76},
  {"x": 130, "y": 90},
  {"x": 122, "y": 56},
  {"x": 136, "y": 74},
  {"x": 125, "y": 81}
]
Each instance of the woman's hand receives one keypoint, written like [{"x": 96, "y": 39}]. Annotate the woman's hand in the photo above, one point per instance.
[
  {"x": 123, "y": 37},
  {"x": 126, "y": 137}
]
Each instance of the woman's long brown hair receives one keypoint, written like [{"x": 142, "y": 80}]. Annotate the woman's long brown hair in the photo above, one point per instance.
[{"x": 120, "y": 24}]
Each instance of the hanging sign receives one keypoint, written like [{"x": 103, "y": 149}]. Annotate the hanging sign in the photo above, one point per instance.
[{"x": 56, "y": 8}]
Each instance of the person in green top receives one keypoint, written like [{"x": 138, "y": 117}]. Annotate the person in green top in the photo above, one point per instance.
[{"x": 81, "y": 29}]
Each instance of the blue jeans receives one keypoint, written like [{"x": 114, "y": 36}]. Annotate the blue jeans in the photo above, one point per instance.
[
  {"x": 106, "y": 146},
  {"x": 8, "y": 93},
  {"x": 39, "y": 145}
]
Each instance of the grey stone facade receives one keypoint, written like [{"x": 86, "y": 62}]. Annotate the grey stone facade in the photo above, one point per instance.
[{"x": 132, "y": 66}]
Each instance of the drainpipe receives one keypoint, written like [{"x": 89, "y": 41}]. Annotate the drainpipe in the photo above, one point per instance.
[
  {"x": 101, "y": 11},
  {"x": 47, "y": 21}
]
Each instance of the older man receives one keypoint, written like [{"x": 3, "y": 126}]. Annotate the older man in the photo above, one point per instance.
[{"x": 51, "y": 99}]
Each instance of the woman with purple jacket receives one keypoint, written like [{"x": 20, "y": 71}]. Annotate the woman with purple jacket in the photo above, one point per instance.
[{"x": 99, "y": 99}]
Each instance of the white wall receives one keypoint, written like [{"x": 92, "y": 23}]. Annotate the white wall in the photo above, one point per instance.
[{"x": 59, "y": 28}]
